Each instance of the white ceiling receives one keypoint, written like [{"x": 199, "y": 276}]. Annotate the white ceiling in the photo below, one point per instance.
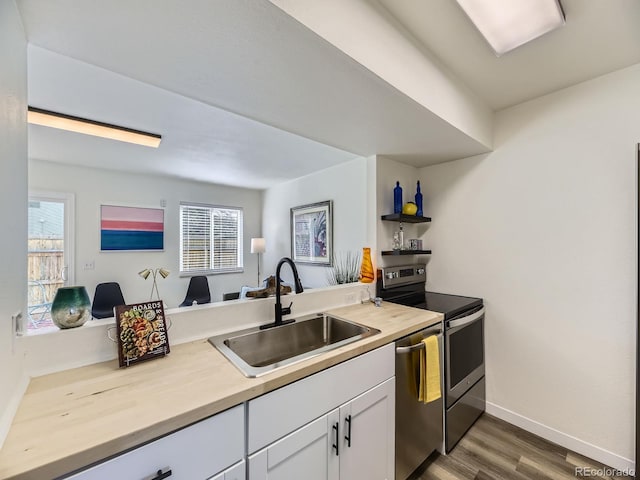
[
  {"x": 245, "y": 95},
  {"x": 199, "y": 142},
  {"x": 242, "y": 56},
  {"x": 599, "y": 37}
]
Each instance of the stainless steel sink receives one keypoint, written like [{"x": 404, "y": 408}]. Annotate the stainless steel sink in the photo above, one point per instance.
[{"x": 256, "y": 352}]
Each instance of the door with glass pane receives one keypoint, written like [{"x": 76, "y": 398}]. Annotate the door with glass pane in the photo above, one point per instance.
[{"x": 48, "y": 254}]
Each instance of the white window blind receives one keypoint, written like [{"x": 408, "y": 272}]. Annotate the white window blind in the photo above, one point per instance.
[{"x": 210, "y": 239}]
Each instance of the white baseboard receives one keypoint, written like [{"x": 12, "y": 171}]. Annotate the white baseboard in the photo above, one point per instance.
[
  {"x": 601, "y": 455},
  {"x": 7, "y": 416}
]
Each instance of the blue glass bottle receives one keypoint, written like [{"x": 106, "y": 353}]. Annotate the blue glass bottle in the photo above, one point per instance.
[
  {"x": 419, "y": 200},
  {"x": 397, "y": 198}
]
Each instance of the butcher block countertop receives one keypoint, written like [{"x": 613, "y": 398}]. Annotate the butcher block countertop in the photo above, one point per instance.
[{"x": 77, "y": 417}]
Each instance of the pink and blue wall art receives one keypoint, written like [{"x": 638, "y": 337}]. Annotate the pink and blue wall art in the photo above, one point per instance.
[{"x": 131, "y": 228}]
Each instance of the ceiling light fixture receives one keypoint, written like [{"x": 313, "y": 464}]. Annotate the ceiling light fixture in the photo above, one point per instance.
[
  {"x": 507, "y": 24},
  {"x": 38, "y": 116}
]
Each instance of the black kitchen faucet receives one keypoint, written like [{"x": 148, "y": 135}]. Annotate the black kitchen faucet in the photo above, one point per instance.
[{"x": 279, "y": 310}]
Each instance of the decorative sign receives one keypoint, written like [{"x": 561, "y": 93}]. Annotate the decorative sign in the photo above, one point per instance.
[
  {"x": 142, "y": 332},
  {"x": 312, "y": 234},
  {"x": 131, "y": 228}
]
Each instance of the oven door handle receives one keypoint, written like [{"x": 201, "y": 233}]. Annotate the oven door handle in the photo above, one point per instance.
[{"x": 460, "y": 322}]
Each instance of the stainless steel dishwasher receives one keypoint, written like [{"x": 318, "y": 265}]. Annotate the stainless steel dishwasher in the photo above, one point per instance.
[{"x": 418, "y": 425}]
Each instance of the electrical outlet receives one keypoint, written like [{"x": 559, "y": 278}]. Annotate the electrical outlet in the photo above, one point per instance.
[
  {"x": 350, "y": 298},
  {"x": 90, "y": 265}
]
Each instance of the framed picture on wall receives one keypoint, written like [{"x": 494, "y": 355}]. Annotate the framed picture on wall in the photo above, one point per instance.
[
  {"x": 131, "y": 228},
  {"x": 312, "y": 234}
]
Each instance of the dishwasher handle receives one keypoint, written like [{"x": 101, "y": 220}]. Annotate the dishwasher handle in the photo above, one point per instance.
[{"x": 418, "y": 346}]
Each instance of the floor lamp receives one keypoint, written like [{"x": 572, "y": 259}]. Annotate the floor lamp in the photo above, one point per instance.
[{"x": 258, "y": 246}]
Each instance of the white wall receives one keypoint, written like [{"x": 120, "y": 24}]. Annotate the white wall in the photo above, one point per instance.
[
  {"x": 93, "y": 187},
  {"x": 544, "y": 229},
  {"x": 346, "y": 185},
  {"x": 13, "y": 206}
]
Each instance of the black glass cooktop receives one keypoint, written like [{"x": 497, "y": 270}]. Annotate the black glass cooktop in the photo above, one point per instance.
[{"x": 449, "y": 305}]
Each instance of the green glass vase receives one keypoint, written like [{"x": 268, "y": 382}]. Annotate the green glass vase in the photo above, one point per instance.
[{"x": 71, "y": 307}]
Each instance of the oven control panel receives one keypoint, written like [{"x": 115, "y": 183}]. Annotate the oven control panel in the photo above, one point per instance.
[{"x": 403, "y": 275}]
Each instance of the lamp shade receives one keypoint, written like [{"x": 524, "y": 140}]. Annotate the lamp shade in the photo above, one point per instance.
[
  {"x": 145, "y": 273},
  {"x": 258, "y": 245},
  {"x": 164, "y": 273}
]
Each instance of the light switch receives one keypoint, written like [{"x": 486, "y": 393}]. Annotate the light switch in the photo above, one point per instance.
[{"x": 18, "y": 325}]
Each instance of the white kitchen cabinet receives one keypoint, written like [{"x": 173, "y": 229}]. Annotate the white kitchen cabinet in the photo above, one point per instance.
[
  {"x": 194, "y": 453},
  {"x": 276, "y": 414},
  {"x": 351, "y": 440},
  {"x": 367, "y": 435},
  {"x": 237, "y": 472},
  {"x": 308, "y": 453}
]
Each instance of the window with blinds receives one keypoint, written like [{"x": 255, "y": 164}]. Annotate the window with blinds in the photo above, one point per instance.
[{"x": 210, "y": 239}]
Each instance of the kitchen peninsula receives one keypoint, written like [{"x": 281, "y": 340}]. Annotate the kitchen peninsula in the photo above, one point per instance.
[{"x": 94, "y": 412}]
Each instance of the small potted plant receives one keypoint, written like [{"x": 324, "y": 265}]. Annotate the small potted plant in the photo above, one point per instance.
[{"x": 345, "y": 268}]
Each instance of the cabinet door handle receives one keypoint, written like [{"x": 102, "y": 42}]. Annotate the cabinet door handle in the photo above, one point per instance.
[
  {"x": 336, "y": 426},
  {"x": 347, "y": 437},
  {"x": 160, "y": 474}
]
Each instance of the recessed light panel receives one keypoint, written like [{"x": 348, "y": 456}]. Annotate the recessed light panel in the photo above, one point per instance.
[{"x": 507, "y": 24}]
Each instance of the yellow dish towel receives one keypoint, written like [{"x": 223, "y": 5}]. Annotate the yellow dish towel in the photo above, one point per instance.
[{"x": 429, "y": 386}]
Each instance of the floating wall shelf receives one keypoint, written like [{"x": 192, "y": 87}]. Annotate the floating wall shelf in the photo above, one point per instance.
[
  {"x": 406, "y": 252},
  {"x": 401, "y": 217}
]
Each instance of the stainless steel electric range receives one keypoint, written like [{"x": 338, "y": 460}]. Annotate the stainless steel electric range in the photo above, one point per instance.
[{"x": 462, "y": 354}]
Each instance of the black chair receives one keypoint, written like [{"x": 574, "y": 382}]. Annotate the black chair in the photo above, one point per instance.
[
  {"x": 230, "y": 296},
  {"x": 107, "y": 296},
  {"x": 197, "y": 291}
]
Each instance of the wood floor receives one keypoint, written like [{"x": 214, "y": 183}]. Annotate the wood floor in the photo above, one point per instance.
[{"x": 496, "y": 450}]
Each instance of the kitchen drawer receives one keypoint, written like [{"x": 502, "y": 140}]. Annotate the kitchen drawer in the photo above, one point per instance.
[
  {"x": 275, "y": 414},
  {"x": 196, "y": 452}
]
